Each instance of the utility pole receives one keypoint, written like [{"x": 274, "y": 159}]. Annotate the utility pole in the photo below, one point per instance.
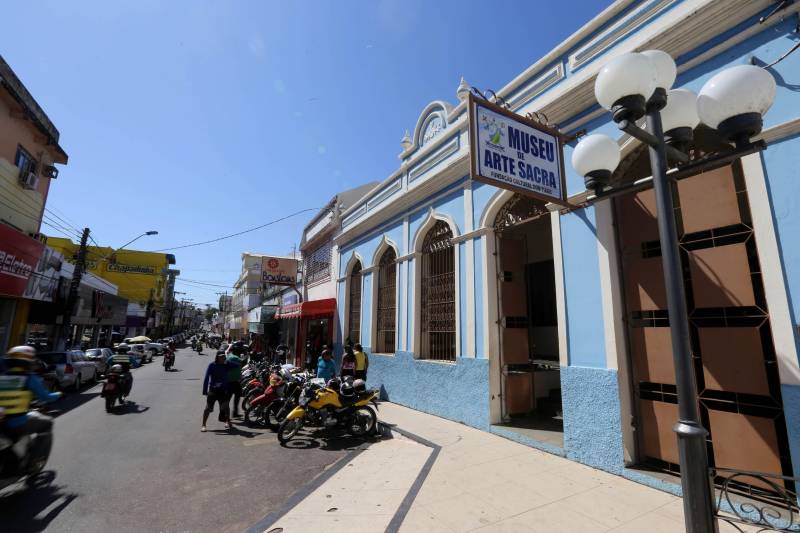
[{"x": 72, "y": 296}]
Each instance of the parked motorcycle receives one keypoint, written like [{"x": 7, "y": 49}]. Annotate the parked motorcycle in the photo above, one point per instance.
[
  {"x": 258, "y": 412},
  {"x": 327, "y": 408},
  {"x": 24, "y": 458}
]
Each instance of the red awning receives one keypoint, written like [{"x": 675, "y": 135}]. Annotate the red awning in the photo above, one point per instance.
[{"x": 307, "y": 309}]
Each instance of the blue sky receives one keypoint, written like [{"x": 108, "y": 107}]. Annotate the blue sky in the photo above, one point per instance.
[{"x": 201, "y": 118}]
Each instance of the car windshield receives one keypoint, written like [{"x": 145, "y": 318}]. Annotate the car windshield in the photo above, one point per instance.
[{"x": 53, "y": 358}]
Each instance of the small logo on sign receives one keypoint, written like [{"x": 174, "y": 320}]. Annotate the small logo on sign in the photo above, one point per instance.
[
  {"x": 273, "y": 263},
  {"x": 495, "y": 129}
]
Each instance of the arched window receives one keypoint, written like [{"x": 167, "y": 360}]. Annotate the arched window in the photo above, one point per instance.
[
  {"x": 354, "y": 314},
  {"x": 438, "y": 304},
  {"x": 387, "y": 301}
]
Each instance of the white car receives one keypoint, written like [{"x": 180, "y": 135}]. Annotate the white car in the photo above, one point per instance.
[
  {"x": 71, "y": 368},
  {"x": 156, "y": 347},
  {"x": 140, "y": 352}
]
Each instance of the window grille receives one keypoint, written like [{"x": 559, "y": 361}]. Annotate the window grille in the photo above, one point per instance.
[
  {"x": 387, "y": 301},
  {"x": 438, "y": 309},
  {"x": 317, "y": 264},
  {"x": 354, "y": 316}
]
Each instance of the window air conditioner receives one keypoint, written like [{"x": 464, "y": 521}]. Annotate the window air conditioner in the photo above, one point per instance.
[{"x": 29, "y": 180}]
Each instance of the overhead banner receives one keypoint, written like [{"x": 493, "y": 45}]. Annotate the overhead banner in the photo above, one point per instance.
[
  {"x": 279, "y": 270},
  {"x": 515, "y": 153}
]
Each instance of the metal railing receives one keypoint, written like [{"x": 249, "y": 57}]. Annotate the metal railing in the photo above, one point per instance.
[{"x": 746, "y": 499}]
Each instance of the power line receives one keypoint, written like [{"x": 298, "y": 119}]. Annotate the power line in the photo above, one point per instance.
[{"x": 239, "y": 232}]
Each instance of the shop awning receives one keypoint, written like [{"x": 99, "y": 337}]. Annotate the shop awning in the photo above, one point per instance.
[{"x": 310, "y": 308}]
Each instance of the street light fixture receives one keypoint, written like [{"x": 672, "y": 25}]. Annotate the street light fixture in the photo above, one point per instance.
[{"x": 732, "y": 102}]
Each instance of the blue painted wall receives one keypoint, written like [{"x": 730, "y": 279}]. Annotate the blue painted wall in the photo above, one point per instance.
[
  {"x": 461, "y": 250},
  {"x": 585, "y": 336},
  {"x": 366, "y": 311},
  {"x": 480, "y": 315},
  {"x": 592, "y": 427},
  {"x": 457, "y": 391},
  {"x": 782, "y": 167}
]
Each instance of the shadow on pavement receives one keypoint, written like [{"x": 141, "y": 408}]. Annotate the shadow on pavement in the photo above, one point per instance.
[
  {"x": 21, "y": 509},
  {"x": 70, "y": 401},
  {"x": 328, "y": 440},
  {"x": 129, "y": 407},
  {"x": 235, "y": 431}
]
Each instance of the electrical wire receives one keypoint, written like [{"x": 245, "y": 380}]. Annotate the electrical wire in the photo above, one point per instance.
[{"x": 249, "y": 230}]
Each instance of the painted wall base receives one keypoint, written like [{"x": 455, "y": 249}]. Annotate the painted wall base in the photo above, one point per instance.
[
  {"x": 457, "y": 391},
  {"x": 592, "y": 427}
]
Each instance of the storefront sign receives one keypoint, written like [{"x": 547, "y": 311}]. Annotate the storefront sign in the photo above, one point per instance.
[
  {"x": 130, "y": 269},
  {"x": 19, "y": 255},
  {"x": 43, "y": 283},
  {"x": 279, "y": 270},
  {"x": 515, "y": 153}
]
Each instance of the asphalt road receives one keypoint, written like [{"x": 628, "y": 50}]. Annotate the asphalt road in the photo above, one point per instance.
[{"x": 149, "y": 468}]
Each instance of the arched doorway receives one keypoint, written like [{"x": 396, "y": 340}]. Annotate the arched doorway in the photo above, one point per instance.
[
  {"x": 530, "y": 379},
  {"x": 734, "y": 356},
  {"x": 354, "y": 312},
  {"x": 438, "y": 295},
  {"x": 387, "y": 302}
]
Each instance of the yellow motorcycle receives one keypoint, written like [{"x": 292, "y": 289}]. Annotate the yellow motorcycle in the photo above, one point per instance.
[{"x": 325, "y": 407}]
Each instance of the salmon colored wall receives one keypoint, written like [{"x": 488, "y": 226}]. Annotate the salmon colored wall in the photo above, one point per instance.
[{"x": 16, "y": 130}]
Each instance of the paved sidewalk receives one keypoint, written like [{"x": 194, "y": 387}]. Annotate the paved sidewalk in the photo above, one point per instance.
[{"x": 477, "y": 482}]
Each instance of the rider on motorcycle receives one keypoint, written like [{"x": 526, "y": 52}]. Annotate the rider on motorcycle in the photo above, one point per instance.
[
  {"x": 126, "y": 361},
  {"x": 18, "y": 387}
]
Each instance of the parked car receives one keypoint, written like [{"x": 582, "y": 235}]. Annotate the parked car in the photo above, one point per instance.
[
  {"x": 140, "y": 352},
  {"x": 156, "y": 347},
  {"x": 99, "y": 356},
  {"x": 72, "y": 368}
]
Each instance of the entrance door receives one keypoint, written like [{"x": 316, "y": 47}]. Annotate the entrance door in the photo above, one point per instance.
[
  {"x": 734, "y": 356},
  {"x": 517, "y": 385}
]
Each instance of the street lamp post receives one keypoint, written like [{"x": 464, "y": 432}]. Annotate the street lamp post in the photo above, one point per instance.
[{"x": 732, "y": 102}]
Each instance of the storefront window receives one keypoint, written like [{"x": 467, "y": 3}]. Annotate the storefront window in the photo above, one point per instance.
[
  {"x": 438, "y": 309},
  {"x": 354, "y": 315},
  {"x": 387, "y": 302}
]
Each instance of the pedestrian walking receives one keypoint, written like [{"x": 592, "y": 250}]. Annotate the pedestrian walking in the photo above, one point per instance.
[
  {"x": 215, "y": 388},
  {"x": 326, "y": 366},
  {"x": 234, "y": 362},
  {"x": 362, "y": 362},
  {"x": 348, "y": 362}
]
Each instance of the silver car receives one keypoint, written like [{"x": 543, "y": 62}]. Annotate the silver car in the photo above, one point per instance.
[
  {"x": 72, "y": 369},
  {"x": 99, "y": 356}
]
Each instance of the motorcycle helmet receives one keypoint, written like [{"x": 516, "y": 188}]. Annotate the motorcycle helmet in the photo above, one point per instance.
[
  {"x": 24, "y": 353},
  {"x": 116, "y": 369},
  {"x": 334, "y": 384},
  {"x": 123, "y": 348},
  {"x": 347, "y": 390},
  {"x": 360, "y": 385}
]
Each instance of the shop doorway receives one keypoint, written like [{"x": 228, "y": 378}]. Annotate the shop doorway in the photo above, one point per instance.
[
  {"x": 731, "y": 340},
  {"x": 530, "y": 378}
]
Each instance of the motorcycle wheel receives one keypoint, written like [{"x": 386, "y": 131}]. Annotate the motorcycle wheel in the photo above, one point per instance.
[
  {"x": 363, "y": 421},
  {"x": 272, "y": 415},
  {"x": 288, "y": 429},
  {"x": 109, "y": 403},
  {"x": 253, "y": 416}
]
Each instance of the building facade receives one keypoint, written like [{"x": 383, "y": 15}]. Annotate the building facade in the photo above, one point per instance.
[
  {"x": 246, "y": 295},
  {"x": 317, "y": 317},
  {"x": 142, "y": 278},
  {"x": 548, "y": 325},
  {"x": 29, "y": 151}
]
